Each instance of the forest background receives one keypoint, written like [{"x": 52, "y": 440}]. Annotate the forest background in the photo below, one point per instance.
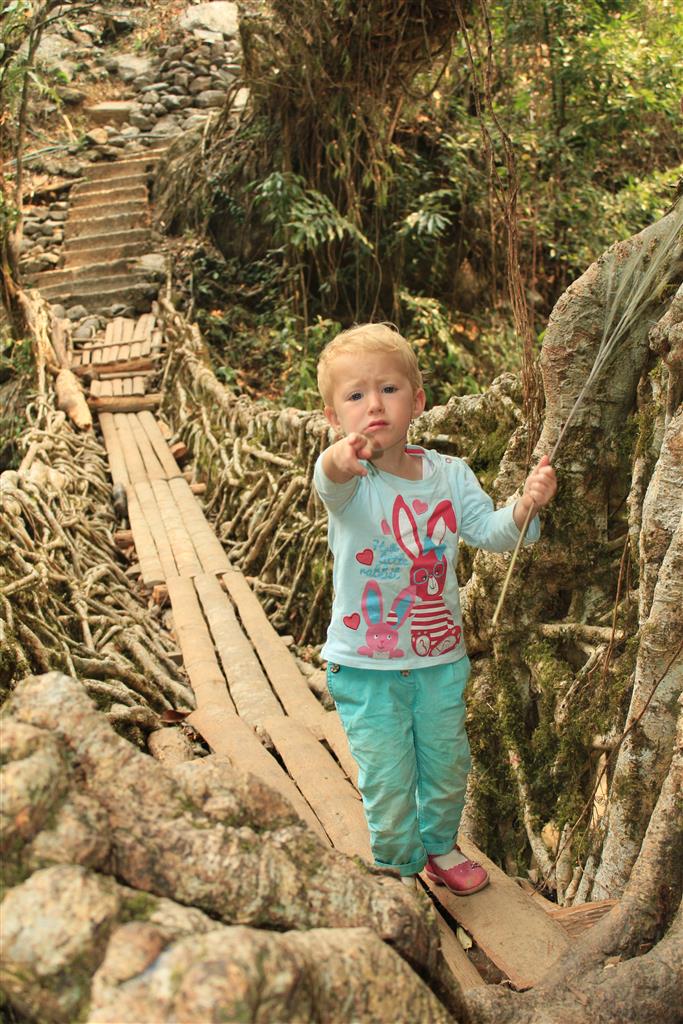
[{"x": 454, "y": 172}]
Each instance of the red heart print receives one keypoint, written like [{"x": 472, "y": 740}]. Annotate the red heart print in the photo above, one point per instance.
[
  {"x": 352, "y": 621},
  {"x": 365, "y": 557},
  {"x": 420, "y": 506},
  {"x": 386, "y": 529}
]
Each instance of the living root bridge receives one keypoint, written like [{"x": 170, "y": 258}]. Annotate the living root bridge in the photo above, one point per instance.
[{"x": 65, "y": 600}]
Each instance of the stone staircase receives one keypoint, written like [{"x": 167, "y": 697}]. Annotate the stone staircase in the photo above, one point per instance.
[{"x": 107, "y": 260}]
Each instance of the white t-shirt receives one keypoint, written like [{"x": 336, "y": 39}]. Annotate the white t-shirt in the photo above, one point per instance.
[{"x": 395, "y": 547}]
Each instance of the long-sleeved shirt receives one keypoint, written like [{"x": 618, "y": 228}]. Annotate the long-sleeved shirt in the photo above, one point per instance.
[{"x": 395, "y": 548}]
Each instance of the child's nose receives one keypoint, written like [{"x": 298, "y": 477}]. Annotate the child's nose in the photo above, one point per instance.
[{"x": 376, "y": 400}]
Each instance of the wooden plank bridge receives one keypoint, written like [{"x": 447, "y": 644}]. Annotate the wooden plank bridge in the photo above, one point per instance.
[{"x": 253, "y": 702}]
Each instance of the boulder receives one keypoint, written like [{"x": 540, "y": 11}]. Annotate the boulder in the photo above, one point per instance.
[
  {"x": 217, "y": 17},
  {"x": 129, "y": 66}
]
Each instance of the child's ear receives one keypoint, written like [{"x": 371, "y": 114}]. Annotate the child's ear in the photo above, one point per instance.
[
  {"x": 419, "y": 402},
  {"x": 331, "y": 417}
]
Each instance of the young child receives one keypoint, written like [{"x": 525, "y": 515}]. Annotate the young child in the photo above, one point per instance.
[{"x": 397, "y": 666}]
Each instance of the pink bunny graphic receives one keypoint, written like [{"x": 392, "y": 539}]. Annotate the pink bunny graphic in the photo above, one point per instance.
[
  {"x": 432, "y": 629},
  {"x": 381, "y": 638}
]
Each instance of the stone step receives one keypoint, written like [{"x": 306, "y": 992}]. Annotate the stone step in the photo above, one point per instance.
[
  {"x": 150, "y": 266},
  {"x": 72, "y": 275},
  {"x": 81, "y": 257},
  {"x": 91, "y": 286},
  {"x": 84, "y": 188},
  {"x": 108, "y": 209},
  {"x": 104, "y": 239},
  {"x": 116, "y": 195},
  {"x": 98, "y": 225},
  {"x": 135, "y": 293},
  {"x": 118, "y": 168}
]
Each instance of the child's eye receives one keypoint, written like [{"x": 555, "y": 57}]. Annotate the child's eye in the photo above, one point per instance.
[
  {"x": 355, "y": 396},
  {"x": 390, "y": 388}
]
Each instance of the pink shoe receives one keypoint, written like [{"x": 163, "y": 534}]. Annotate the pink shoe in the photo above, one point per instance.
[{"x": 462, "y": 880}]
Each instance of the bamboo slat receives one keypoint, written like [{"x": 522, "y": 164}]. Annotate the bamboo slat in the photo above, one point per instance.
[
  {"x": 158, "y": 442},
  {"x": 517, "y": 935},
  {"x": 154, "y": 469},
  {"x": 276, "y": 658},
  {"x": 248, "y": 686},
  {"x": 322, "y": 783},
  {"x": 117, "y": 387},
  {"x": 138, "y": 385},
  {"x": 112, "y": 442},
  {"x": 137, "y": 472},
  {"x": 227, "y": 734},
  {"x": 181, "y": 543},
  {"x": 157, "y": 340},
  {"x": 209, "y": 550},
  {"x": 106, "y": 389},
  {"x": 150, "y": 510},
  {"x": 150, "y": 566},
  {"x": 95, "y": 388},
  {"x": 128, "y": 387},
  {"x": 110, "y": 332},
  {"x": 195, "y": 644}
]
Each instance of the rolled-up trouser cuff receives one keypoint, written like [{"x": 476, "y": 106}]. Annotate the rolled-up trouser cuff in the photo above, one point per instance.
[{"x": 413, "y": 868}]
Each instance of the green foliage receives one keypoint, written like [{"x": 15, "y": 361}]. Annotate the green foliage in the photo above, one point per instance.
[
  {"x": 386, "y": 209},
  {"x": 303, "y": 218}
]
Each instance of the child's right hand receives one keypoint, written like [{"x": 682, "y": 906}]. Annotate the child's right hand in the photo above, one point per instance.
[{"x": 341, "y": 461}]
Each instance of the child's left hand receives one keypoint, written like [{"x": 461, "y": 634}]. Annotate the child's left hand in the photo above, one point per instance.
[{"x": 540, "y": 486}]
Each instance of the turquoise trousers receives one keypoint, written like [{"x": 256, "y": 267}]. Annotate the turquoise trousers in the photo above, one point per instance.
[{"x": 406, "y": 731}]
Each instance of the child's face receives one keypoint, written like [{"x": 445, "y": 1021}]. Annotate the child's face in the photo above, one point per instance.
[{"x": 372, "y": 395}]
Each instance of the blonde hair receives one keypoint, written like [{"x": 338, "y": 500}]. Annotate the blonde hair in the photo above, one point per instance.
[{"x": 367, "y": 338}]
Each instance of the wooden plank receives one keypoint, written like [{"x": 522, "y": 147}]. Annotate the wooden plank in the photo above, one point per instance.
[
  {"x": 106, "y": 389},
  {"x": 117, "y": 387},
  {"x": 153, "y": 468},
  {"x": 158, "y": 442},
  {"x": 150, "y": 510},
  {"x": 128, "y": 387},
  {"x": 576, "y": 920},
  {"x": 143, "y": 327},
  {"x": 247, "y": 683},
  {"x": 136, "y": 403},
  {"x": 150, "y": 566},
  {"x": 517, "y": 935},
  {"x": 181, "y": 543},
  {"x": 333, "y": 731},
  {"x": 276, "y": 658},
  {"x": 138, "y": 385},
  {"x": 109, "y": 332},
  {"x": 127, "y": 330},
  {"x": 194, "y": 641},
  {"x": 228, "y": 735},
  {"x": 209, "y": 550},
  {"x": 131, "y": 453},
  {"x": 95, "y": 388},
  {"x": 464, "y": 971},
  {"x": 128, "y": 366},
  {"x": 323, "y": 785},
  {"x": 112, "y": 442}
]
